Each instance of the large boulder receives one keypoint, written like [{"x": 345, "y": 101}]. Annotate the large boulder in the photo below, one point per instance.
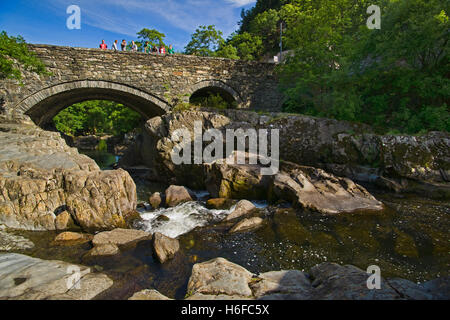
[
  {"x": 26, "y": 278},
  {"x": 236, "y": 181},
  {"x": 305, "y": 187},
  {"x": 176, "y": 195},
  {"x": 41, "y": 177},
  {"x": 155, "y": 146},
  {"x": 219, "y": 276},
  {"x": 317, "y": 190},
  {"x": 164, "y": 247}
]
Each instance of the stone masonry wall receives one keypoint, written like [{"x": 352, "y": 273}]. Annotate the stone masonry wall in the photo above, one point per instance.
[{"x": 158, "y": 79}]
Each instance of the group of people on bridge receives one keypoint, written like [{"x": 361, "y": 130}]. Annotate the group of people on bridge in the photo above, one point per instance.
[{"x": 148, "y": 48}]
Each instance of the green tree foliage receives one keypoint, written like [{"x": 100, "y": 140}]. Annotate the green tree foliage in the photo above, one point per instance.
[
  {"x": 261, "y": 6},
  {"x": 154, "y": 37},
  {"x": 205, "y": 41},
  {"x": 395, "y": 78},
  {"x": 247, "y": 46},
  {"x": 14, "y": 50},
  {"x": 96, "y": 117}
]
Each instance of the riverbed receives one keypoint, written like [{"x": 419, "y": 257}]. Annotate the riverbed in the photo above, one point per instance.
[{"x": 409, "y": 239}]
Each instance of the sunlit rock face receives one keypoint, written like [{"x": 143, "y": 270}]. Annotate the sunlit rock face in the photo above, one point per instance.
[{"x": 41, "y": 178}]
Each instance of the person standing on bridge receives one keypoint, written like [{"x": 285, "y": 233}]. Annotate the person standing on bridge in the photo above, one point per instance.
[
  {"x": 134, "y": 47},
  {"x": 162, "y": 50},
  {"x": 103, "y": 45},
  {"x": 114, "y": 46},
  {"x": 170, "y": 51},
  {"x": 147, "y": 47},
  {"x": 124, "y": 45},
  {"x": 154, "y": 49}
]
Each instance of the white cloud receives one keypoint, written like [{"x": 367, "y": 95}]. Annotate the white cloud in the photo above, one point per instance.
[
  {"x": 129, "y": 16},
  {"x": 240, "y": 3}
]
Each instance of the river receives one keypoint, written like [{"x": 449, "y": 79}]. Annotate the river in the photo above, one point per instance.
[{"x": 409, "y": 239}]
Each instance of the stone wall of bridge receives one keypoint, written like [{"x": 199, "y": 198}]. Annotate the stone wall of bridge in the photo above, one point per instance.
[{"x": 150, "y": 84}]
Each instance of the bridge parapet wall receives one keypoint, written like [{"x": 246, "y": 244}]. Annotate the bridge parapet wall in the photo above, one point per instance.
[{"x": 165, "y": 78}]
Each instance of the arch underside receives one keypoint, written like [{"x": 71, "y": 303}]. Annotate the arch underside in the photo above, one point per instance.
[
  {"x": 47, "y": 103},
  {"x": 216, "y": 87}
]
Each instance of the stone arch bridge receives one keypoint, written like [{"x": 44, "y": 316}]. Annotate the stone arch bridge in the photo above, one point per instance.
[{"x": 149, "y": 84}]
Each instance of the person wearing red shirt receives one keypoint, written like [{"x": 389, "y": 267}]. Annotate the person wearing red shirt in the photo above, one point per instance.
[
  {"x": 162, "y": 50},
  {"x": 103, "y": 45}
]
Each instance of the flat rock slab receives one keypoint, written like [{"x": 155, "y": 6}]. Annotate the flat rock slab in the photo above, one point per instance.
[
  {"x": 148, "y": 294},
  {"x": 121, "y": 237},
  {"x": 10, "y": 242},
  {"x": 26, "y": 278}
]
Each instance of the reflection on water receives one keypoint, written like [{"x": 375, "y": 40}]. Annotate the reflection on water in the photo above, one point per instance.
[{"x": 104, "y": 159}]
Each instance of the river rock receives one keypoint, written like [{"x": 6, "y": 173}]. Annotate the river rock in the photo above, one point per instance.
[
  {"x": 26, "y": 278},
  {"x": 155, "y": 200},
  {"x": 336, "y": 282},
  {"x": 285, "y": 284},
  {"x": 121, "y": 237},
  {"x": 72, "y": 238},
  {"x": 219, "y": 279},
  {"x": 317, "y": 190},
  {"x": 176, "y": 195},
  {"x": 107, "y": 249},
  {"x": 243, "y": 207},
  {"x": 219, "y": 276},
  {"x": 236, "y": 181},
  {"x": 148, "y": 294},
  {"x": 219, "y": 203},
  {"x": 40, "y": 176},
  {"x": 247, "y": 225},
  {"x": 164, "y": 247}
]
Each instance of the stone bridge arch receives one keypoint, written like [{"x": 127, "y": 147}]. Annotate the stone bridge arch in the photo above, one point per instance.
[
  {"x": 216, "y": 86},
  {"x": 44, "y": 104},
  {"x": 149, "y": 84}
]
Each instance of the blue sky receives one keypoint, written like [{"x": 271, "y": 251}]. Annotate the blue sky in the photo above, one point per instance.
[{"x": 44, "y": 21}]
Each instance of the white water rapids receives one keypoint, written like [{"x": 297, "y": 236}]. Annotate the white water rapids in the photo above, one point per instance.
[{"x": 185, "y": 217}]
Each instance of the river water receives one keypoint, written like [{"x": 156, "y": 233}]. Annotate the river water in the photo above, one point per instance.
[{"x": 409, "y": 239}]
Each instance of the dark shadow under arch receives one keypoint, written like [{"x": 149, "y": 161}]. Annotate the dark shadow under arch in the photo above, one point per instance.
[
  {"x": 207, "y": 87},
  {"x": 43, "y": 105}
]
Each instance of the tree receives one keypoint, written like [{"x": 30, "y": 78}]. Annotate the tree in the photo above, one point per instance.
[
  {"x": 248, "y": 46},
  {"x": 154, "y": 37},
  {"x": 96, "y": 117},
  {"x": 205, "y": 41},
  {"x": 395, "y": 78},
  {"x": 15, "y": 50}
]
